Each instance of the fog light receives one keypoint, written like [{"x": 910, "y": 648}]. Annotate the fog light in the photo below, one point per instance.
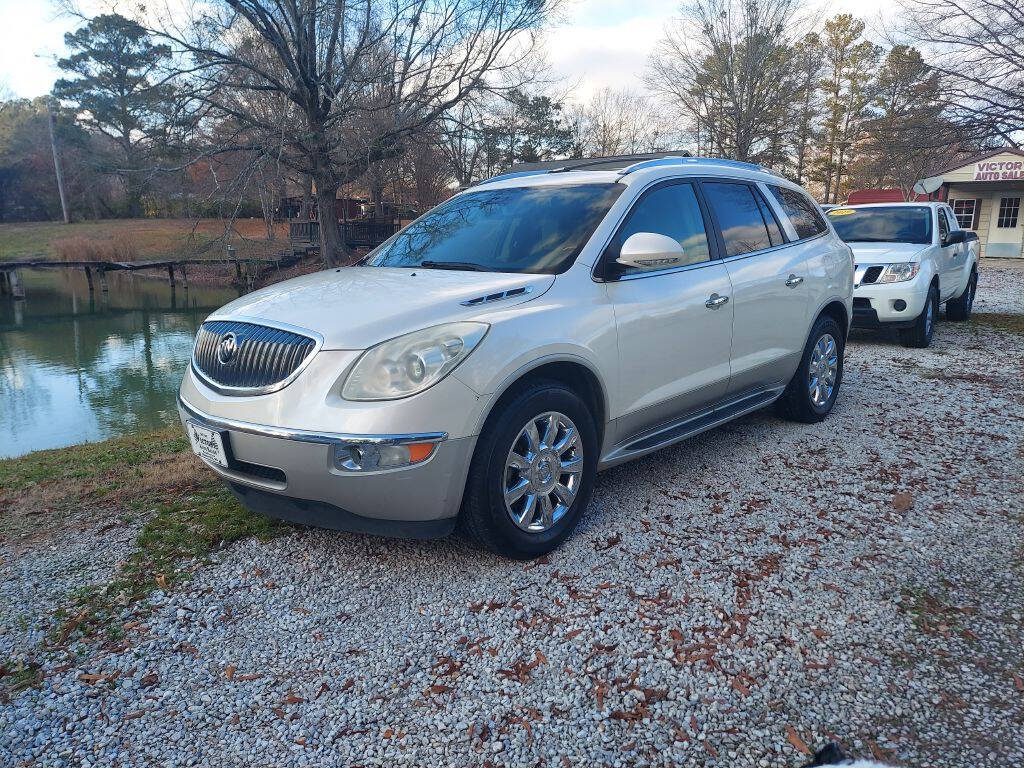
[
  {"x": 899, "y": 305},
  {"x": 366, "y": 457}
]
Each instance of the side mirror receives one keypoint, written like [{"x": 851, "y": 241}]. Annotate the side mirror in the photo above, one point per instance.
[
  {"x": 647, "y": 252},
  {"x": 955, "y": 237}
]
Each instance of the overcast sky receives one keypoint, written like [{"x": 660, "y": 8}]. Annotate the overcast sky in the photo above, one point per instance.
[{"x": 602, "y": 43}]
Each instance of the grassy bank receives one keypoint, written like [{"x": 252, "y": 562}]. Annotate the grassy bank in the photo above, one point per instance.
[
  {"x": 149, "y": 238},
  {"x": 150, "y": 483}
]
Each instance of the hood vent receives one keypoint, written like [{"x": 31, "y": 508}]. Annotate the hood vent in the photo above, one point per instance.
[{"x": 509, "y": 294}]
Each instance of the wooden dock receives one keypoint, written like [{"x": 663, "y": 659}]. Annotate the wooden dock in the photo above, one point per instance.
[{"x": 10, "y": 279}]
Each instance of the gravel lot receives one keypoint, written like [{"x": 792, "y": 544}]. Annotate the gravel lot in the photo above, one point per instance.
[{"x": 763, "y": 587}]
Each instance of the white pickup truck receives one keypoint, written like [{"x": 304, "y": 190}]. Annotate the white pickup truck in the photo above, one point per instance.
[{"x": 910, "y": 258}]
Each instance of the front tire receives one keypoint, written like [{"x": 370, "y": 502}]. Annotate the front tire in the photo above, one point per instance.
[
  {"x": 811, "y": 393},
  {"x": 920, "y": 333},
  {"x": 960, "y": 308},
  {"x": 532, "y": 473}
]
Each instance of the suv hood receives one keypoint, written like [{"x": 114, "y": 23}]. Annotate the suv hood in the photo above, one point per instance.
[
  {"x": 886, "y": 253},
  {"x": 357, "y": 307}
]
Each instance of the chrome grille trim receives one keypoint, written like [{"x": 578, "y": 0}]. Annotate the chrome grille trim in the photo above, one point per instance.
[{"x": 269, "y": 355}]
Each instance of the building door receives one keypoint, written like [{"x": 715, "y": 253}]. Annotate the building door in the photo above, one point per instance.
[{"x": 1005, "y": 230}]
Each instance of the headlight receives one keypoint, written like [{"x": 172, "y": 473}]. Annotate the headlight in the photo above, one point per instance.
[
  {"x": 411, "y": 363},
  {"x": 898, "y": 273}
]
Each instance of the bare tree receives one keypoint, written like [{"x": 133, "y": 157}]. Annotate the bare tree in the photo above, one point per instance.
[
  {"x": 978, "y": 48},
  {"x": 350, "y": 81},
  {"x": 726, "y": 68},
  {"x": 618, "y": 122}
]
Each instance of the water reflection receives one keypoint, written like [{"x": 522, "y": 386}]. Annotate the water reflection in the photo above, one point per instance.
[{"x": 78, "y": 367}]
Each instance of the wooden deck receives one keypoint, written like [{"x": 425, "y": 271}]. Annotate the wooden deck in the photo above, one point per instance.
[{"x": 10, "y": 280}]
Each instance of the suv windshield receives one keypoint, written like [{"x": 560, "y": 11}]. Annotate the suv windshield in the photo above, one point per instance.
[
  {"x": 518, "y": 229},
  {"x": 898, "y": 224}
]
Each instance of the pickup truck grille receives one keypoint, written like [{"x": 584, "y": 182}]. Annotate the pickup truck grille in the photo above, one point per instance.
[
  {"x": 245, "y": 358},
  {"x": 871, "y": 274}
]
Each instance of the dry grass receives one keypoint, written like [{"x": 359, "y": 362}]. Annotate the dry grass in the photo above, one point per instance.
[
  {"x": 120, "y": 247},
  {"x": 147, "y": 239}
]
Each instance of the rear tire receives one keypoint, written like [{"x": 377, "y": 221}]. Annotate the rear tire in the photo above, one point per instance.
[
  {"x": 811, "y": 393},
  {"x": 959, "y": 309},
  {"x": 920, "y": 333},
  {"x": 486, "y": 518}
]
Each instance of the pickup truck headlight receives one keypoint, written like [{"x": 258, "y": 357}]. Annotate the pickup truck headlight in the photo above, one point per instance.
[
  {"x": 899, "y": 273},
  {"x": 412, "y": 363}
]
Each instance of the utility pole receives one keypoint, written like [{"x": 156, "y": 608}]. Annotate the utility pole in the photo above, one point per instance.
[{"x": 57, "y": 167}]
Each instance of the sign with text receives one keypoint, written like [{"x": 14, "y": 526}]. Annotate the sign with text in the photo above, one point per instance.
[{"x": 999, "y": 170}]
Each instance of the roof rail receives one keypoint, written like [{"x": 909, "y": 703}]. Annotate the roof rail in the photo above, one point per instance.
[
  {"x": 610, "y": 163},
  {"x": 693, "y": 161},
  {"x": 514, "y": 175}
]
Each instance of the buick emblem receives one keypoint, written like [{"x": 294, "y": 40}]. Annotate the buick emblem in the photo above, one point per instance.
[{"x": 227, "y": 348}]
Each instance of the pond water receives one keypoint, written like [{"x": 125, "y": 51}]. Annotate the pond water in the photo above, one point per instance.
[{"x": 76, "y": 367}]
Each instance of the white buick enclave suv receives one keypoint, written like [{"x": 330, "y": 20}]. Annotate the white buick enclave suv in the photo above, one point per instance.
[{"x": 479, "y": 368}]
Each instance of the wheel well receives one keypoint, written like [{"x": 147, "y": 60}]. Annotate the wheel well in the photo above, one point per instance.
[
  {"x": 575, "y": 376},
  {"x": 837, "y": 312}
]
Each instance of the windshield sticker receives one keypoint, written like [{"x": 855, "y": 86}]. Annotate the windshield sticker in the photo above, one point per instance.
[{"x": 841, "y": 212}]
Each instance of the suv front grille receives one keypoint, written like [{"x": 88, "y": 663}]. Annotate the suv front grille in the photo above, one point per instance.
[
  {"x": 871, "y": 274},
  {"x": 245, "y": 358}
]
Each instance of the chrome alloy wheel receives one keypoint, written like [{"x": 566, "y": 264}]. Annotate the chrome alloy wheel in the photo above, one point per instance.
[
  {"x": 543, "y": 472},
  {"x": 823, "y": 370},
  {"x": 929, "y": 315}
]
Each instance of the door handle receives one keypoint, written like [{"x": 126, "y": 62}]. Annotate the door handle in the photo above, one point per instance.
[
  {"x": 793, "y": 281},
  {"x": 715, "y": 301}
]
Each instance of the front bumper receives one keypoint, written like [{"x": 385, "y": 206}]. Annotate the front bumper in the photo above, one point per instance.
[
  {"x": 875, "y": 304},
  {"x": 291, "y": 474}
]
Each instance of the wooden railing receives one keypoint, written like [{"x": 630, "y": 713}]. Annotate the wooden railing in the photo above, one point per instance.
[{"x": 366, "y": 233}]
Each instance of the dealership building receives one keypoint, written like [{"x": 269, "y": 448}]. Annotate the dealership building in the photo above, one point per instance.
[{"x": 985, "y": 193}]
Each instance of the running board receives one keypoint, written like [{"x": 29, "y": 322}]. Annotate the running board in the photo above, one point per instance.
[{"x": 689, "y": 426}]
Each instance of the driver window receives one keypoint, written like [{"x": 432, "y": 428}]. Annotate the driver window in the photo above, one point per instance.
[{"x": 672, "y": 211}]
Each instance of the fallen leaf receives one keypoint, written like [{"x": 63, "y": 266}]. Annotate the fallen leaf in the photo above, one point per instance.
[
  {"x": 148, "y": 681},
  {"x": 794, "y": 738},
  {"x": 291, "y": 698},
  {"x": 90, "y": 678},
  {"x": 902, "y": 501},
  {"x": 229, "y": 673},
  {"x": 1018, "y": 682},
  {"x": 161, "y": 581},
  {"x": 246, "y": 678},
  {"x": 876, "y": 751},
  {"x": 735, "y": 683},
  {"x": 572, "y": 633}
]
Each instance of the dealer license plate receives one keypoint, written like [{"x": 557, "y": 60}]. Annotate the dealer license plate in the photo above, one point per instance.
[{"x": 208, "y": 444}]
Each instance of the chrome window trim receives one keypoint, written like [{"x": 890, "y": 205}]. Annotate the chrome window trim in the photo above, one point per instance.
[
  {"x": 305, "y": 435},
  {"x": 318, "y": 343}
]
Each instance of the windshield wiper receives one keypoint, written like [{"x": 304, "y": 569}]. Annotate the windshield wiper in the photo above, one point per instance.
[{"x": 467, "y": 265}]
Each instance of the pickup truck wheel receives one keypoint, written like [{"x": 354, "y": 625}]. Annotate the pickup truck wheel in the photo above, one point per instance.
[
  {"x": 960, "y": 307},
  {"x": 920, "y": 333},
  {"x": 532, "y": 473},
  {"x": 811, "y": 393}
]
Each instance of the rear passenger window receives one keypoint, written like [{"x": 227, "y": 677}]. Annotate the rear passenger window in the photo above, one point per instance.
[
  {"x": 739, "y": 216},
  {"x": 803, "y": 214},
  {"x": 672, "y": 211}
]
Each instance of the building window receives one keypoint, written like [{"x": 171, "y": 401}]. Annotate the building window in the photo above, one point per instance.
[
  {"x": 964, "y": 211},
  {"x": 1009, "y": 207}
]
